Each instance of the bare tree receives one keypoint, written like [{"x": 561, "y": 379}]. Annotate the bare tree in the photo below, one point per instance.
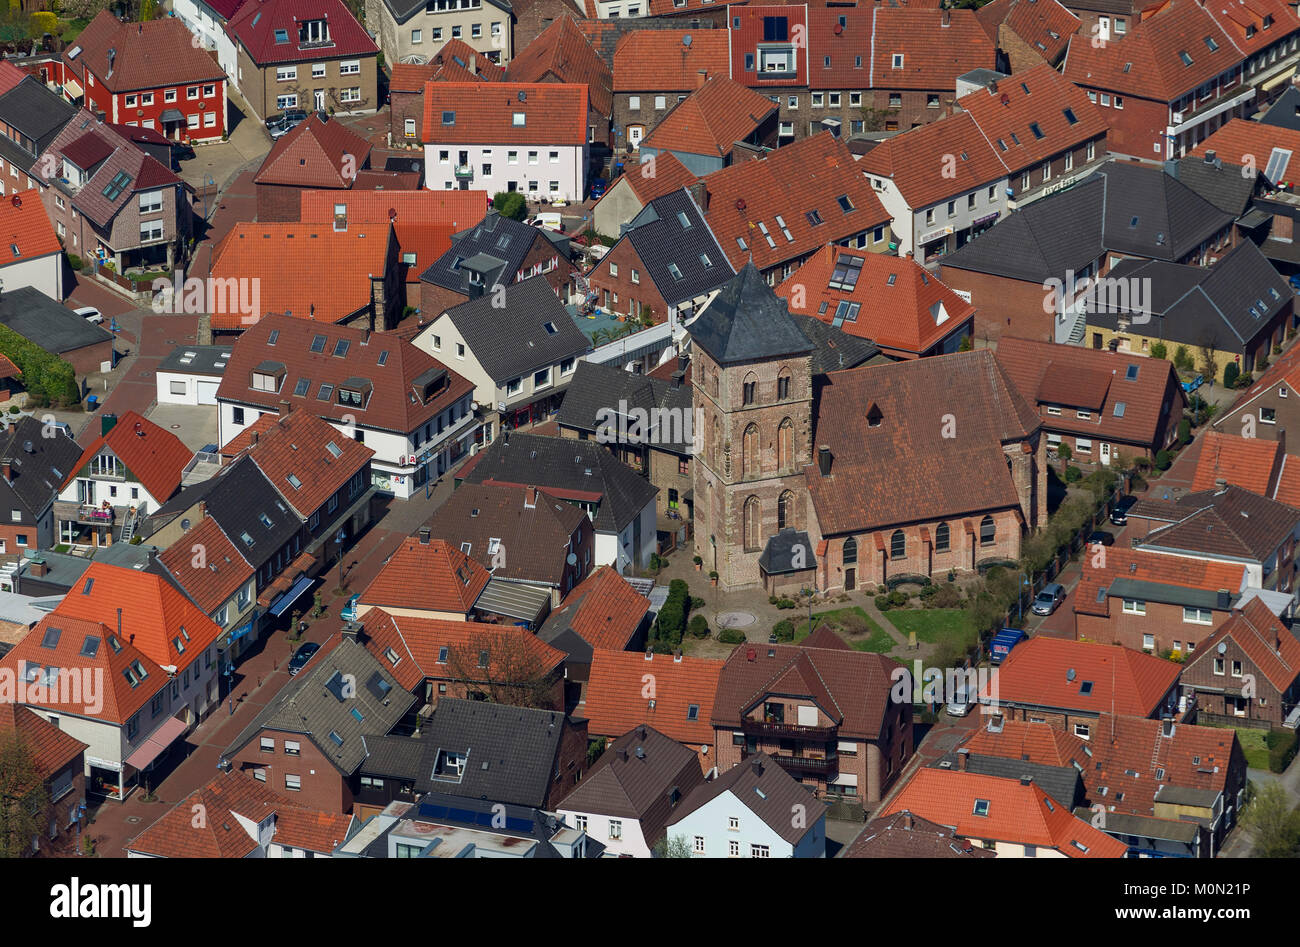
[
  {"x": 24, "y": 801},
  {"x": 506, "y": 668},
  {"x": 1209, "y": 348}
]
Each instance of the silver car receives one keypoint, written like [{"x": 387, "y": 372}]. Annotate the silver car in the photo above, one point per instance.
[{"x": 1048, "y": 599}]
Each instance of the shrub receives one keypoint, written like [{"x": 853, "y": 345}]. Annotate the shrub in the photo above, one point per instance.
[
  {"x": 853, "y": 624},
  {"x": 47, "y": 377},
  {"x": 1073, "y": 474},
  {"x": 699, "y": 561},
  {"x": 1277, "y": 350},
  {"x": 952, "y": 575},
  {"x": 1184, "y": 431},
  {"x": 1282, "y": 746},
  {"x": 965, "y": 345},
  {"x": 784, "y": 630},
  {"x": 1230, "y": 373},
  {"x": 1159, "y": 350},
  {"x": 897, "y": 599},
  {"x": 1183, "y": 359},
  {"x": 699, "y": 626},
  {"x": 696, "y": 603},
  {"x": 1063, "y": 451},
  {"x": 713, "y": 575},
  {"x": 882, "y": 602},
  {"x": 1163, "y": 460},
  {"x": 928, "y": 592},
  {"x": 731, "y": 636},
  {"x": 945, "y": 596},
  {"x": 74, "y": 261}
]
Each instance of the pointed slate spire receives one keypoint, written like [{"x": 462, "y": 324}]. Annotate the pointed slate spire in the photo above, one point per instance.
[{"x": 747, "y": 321}]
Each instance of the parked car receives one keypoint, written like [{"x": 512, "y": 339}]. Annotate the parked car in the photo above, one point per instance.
[
  {"x": 1099, "y": 537},
  {"x": 1119, "y": 515},
  {"x": 280, "y": 125},
  {"x": 1047, "y": 601},
  {"x": 598, "y": 188},
  {"x": 306, "y": 651},
  {"x": 547, "y": 221},
  {"x": 961, "y": 702},
  {"x": 181, "y": 151},
  {"x": 90, "y": 314}
]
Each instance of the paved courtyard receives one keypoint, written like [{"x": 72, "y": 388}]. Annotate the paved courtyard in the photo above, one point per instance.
[{"x": 195, "y": 425}]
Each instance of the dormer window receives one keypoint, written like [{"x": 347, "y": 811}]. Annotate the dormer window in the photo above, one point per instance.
[
  {"x": 313, "y": 32},
  {"x": 268, "y": 376}
]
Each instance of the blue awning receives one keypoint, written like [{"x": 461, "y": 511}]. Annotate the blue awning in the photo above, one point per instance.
[
  {"x": 242, "y": 630},
  {"x": 281, "y": 604}
]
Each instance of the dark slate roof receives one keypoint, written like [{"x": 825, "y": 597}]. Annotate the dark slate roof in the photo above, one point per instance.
[
  {"x": 1223, "y": 185},
  {"x": 660, "y": 239},
  {"x": 403, "y": 10},
  {"x": 1232, "y": 522},
  {"x": 309, "y": 704},
  {"x": 1230, "y": 302},
  {"x": 52, "y": 326},
  {"x": 36, "y": 112},
  {"x": 510, "y": 752},
  {"x": 747, "y": 321},
  {"x": 1062, "y": 783},
  {"x": 1121, "y": 207},
  {"x": 1285, "y": 112},
  {"x": 513, "y": 341},
  {"x": 780, "y": 793},
  {"x": 236, "y": 501},
  {"x": 778, "y": 554},
  {"x": 36, "y": 474},
  {"x": 835, "y": 350},
  {"x": 197, "y": 359},
  {"x": 564, "y": 464},
  {"x": 596, "y": 389},
  {"x": 498, "y": 263}
]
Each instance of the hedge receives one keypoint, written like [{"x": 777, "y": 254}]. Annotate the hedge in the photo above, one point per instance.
[
  {"x": 731, "y": 636},
  {"x": 699, "y": 626},
  {"x": 784, "y": 630},
  {"x": 904, "y": 578},
  {"x": 46, "y": 377},
  {"x": 1282, "y": 746}
]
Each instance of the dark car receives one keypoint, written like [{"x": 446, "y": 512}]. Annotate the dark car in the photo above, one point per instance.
[
  {"x": 181, "y": 151},
  {"x": 280, "y": 125},
  {"x": 1099, "y": 537},
  {"x": 598, "y": 188},
  {"x": 306, "y": 651},
  {"x": 1119, "y": 515}
]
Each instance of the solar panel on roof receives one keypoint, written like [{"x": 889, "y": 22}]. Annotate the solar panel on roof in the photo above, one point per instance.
[
  {"x": 518, "y": 825},
  {"x": 377, "y": 686},
  {"x": 335, "y": 685}
]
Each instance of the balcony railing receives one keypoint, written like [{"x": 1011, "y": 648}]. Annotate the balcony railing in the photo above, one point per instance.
[
  {"x": 464, "y": 171},
  {"x": 763, "y": 728},
  {"x": 805, "y": 764},
  {"x": 87, "y": 513}
]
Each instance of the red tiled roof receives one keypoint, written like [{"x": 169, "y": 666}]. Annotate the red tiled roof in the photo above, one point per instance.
[
  {"x": 1039, "y": 743},
  {"x": 8, "y": 369},
  {"x": 561, "y": 53},
  {"x": 659, "y": 60},
  {"x": 747, "y": 32},
  {"x": 411, "y": 77},
  {"x": 1249, "y": 462},
  {"x": 1138, "y": 564},
  {"x": 117, "y": 700},
  {"x": 255, "y": 25},
  {"x": 433, "y": 576},
  {"x": 1123, "y": 680},
  {"x": 222, "y": 835},
  {"x": 26, "y": 228},
  {"x": 212, "y": 579},
  {"x": 808, "y": 175},
  {"x": 285, "y": 259},
  {"x": 153, "y": 456},
  {"x": 848, "y": 47},
  {"x": 669, "y": 175},
  {"x": 300, "y": 446},
  {"x": 1068, "y": 375},
  {"x": 1268, "y": 643},
  {"x": 1247, "y": 143},
  {"x": 1288, "y": 482},
  {"x": 1016, "y": 813},
  {"x": 394, "y": 405},
  {"x": 711, "y": 119},
  {"x": 934, "y": 54},
  {"x": 1044, "y": 25},
  {"x": 616, "y": 701},
  {"x": 458, "y": 61},
  {"x": 1234, "y": 16},
  {"x": 1148, "y": 61},
  {"x": 555, "y": 113},
  {"x": 153, "y": 613},
  {"x": 314, "y": 154},
  {"x": 514, "y": 654},
  {"x": 148, "y": 55},
  {"x": 909, "y": 159},
  {"x": 1008, "y": 115},
  {"x": 10, "y": 76},
  {"x": 603, "y": 609},
  {"x": 903, "y": 307},
  {"x": 51, "y": 748}
]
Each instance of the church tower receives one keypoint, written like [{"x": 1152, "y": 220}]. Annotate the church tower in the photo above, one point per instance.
[{"x": 752, "y": 392}]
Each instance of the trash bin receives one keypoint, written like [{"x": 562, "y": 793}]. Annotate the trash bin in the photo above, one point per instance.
[{"x": 92, "y": 403}]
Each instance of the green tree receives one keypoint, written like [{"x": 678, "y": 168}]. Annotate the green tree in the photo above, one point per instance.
[
  {"x": 1184, "y": 431},
  {"x": 1159, "y": 350},
  {"x": 1230, "y": 373},
  {"x": 24, "y": 801},
  {"x": 1273, "y": 825},
  {"x": 672, "y": 846}
]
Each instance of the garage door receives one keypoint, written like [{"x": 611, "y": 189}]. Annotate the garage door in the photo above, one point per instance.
[{"x": 208, "y": 391}]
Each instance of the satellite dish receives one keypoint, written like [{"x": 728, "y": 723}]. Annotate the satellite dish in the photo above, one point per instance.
[
  {"x": 571, "y": 559},
  {"x": 1223, "y": 647}
]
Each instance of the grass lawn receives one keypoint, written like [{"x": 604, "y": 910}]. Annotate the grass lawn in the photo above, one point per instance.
[
  {"x": 1254, "y": 743},
  {"x": 853, "y": 624},
  {"x": 934, "y": 625}
]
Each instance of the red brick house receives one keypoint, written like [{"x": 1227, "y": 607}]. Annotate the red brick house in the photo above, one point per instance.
[
  {"x": 563, "y": 54},
  {"x": 425, "y": 578},
  {"x": 58, "y": 759},
  {"x": 1174, "y": 78},
  {"x": 895, "y": 302},
  {"x": 716, "y": 125},
  {"x": 154, "y": 74},
  {"x": 1149, "y": 602},
  {"x": 455, "y": 61},
  {"x": 824, "y": 715},
  {"x": 1028, "y": 32},
  {"x": 1098, "y": 403},
  {"x": 656, "y": 69},
  {"x": 1247, "y": 674}
]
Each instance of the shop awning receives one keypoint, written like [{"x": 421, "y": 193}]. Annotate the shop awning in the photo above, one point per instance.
[
  {"x": 514, "y": 600},
  {"x": 73, "y": 88},
  {"x": 242, "y": 630},
  {"x": 156, "y": 743},
  {"x": 1284, "y": 76},
  {"x": 281, "y": 604}
]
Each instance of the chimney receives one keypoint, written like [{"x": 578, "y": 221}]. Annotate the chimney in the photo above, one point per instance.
[
  {"x": 1210, "y": 155},
  {"x": 907, "y": 820},
  {"x": 623, "y": 755},
  {"x": 758, "y": 767},
  {"x": 6, "y": 467},
  {"x": 352, "y": 631},
  {"x": 425, "y": 532},
  {"x": 119, "y": 623},
  {"x": 907, "y": 255},
  {"x": 285, "y": 408},
  {"x": 700, "y": 194},
  {"x": 252, "y": 438},
  {"x": 824, "y": 460},
  {"x": 963, "y": 759},
  {"x": 1026, "y": 781},
  {"x": 530, "y": 498},
  {"x": 1281, "y": 441},
  {"x": 992, "y": 86},
  {"x": 37, "y": 567},
  {"x": 701, "y": 77},
  {"x": 203, "y": 508},
  {"x": 642, "y": 734},
  {"x": 1224, "y": 600}
]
